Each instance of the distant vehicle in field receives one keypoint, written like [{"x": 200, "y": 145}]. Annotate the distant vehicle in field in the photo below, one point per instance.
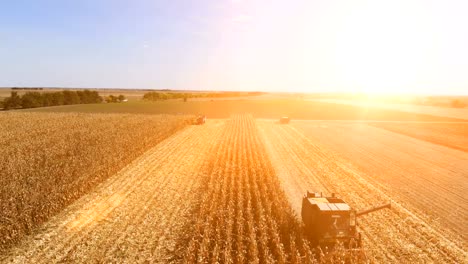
[
  {"x": 200, "y": 120},
  {"x": 329, "y": 220},
  {"x": 284, "y": 120}
]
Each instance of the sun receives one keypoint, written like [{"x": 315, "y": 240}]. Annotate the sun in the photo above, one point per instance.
[{"x": 382, "y": 48}]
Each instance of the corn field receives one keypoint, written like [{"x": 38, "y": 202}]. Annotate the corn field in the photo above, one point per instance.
[
  {"x": 244, "y": 216},
  {"x": 49, "y": 160},
  {"x": 149, "y": 189}
]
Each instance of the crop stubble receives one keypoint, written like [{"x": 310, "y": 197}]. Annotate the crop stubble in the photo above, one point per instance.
[
  {"x": 430, "y": 179},
  {"x": 397, "y": 235},
  {"x": 453, "y": 134}
]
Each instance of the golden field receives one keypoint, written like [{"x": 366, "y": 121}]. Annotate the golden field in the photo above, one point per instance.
[
  {"x": 50, "y": 160},
  {"x": 138, "y": 188}
]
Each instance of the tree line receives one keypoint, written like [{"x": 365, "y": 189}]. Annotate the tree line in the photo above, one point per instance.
[
  {"x": 157, "y": 96},
  {"x": 115, "y": 99},
  {"x": 38, "y": 99}
]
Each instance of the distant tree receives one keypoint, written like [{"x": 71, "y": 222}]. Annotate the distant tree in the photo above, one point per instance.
[
  {"x": 37, "y": 99},
  {"x": 70, "y": 97},
  {"x": 121, "y": 98},
  {"x": 57, "y": 98},
  {"x": 89, "y": 97},
  {"x": 82, "y": 96},
  {"x": 12, "y": 102},
  {"x": 47, "y": 99},
  {"x": 111, "y": 99},
  {"x": 32, "y": 100},
  {"x": 95, "y": 97},
  {"x": 152, "y": 96}
]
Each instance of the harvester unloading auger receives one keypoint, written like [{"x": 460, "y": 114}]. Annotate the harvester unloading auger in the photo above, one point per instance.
[{"x": 329, "y": 220}]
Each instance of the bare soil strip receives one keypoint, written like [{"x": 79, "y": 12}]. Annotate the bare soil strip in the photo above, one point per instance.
[
  {"x": 136, "y": 215},
  {"x": 390, "y": 236}
]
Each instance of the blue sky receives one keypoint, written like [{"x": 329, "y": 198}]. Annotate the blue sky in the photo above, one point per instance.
[
  {"x": 314, "y": 46},
  {"x": 102, "y": 43}
]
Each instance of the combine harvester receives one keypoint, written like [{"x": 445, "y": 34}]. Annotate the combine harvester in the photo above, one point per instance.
[
  {"x": 200, "y": 120},
  {"x": 330, "y": 220},
  {"x": 284, "y": 120}
]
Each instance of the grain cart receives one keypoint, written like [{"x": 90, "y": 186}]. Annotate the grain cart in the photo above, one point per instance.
[{"x": 329, "y": 220}]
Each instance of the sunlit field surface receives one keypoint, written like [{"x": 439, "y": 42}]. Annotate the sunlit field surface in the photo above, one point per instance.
[
  {"x": 265, "y": 108},
  {"x": 137, "y": 182},
  {"x": 443, "y": 110},
  {"x": 49, "y": 160},
  {"x": 234, "y": 131}
]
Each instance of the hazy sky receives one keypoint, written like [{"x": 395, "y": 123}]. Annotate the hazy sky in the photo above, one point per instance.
[{"x": 314, "y": 46}]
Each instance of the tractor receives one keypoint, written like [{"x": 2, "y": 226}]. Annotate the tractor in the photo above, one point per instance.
[{"x": 329, "y": 220}]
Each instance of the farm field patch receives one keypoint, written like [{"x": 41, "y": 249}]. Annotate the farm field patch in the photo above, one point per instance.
[
  {"x": 429, "y": 177},
  {"x": 206, "y": 194},
  {"x": 231, "y": 190},
  {"x": 134, "y": 216},
  {"x": 244, "y": 217},
  {"x": 453, "y": 135},
  {"x": 402, "y": 234},
  {"x": 460, "y": 113},
  {"x": 266, "y": 108},
  {"x": 48, "y": 160}
]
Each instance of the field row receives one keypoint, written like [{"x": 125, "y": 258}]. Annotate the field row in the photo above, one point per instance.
[
  {"x": 136, "y": 216},
  {"x": 391, "y": 236},
  {"x": 244, "y": 216},
  {"x": 50, "y": 160}
]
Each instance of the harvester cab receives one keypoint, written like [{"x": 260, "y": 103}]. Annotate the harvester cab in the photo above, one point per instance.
[{"x": 329, "y": 220}]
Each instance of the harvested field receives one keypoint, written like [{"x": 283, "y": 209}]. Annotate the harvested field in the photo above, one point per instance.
[
  {"x": 402, "y": 234},
  {"x": 49, "y": 160},
  {"x": 440, "y": 111},
  {"x": 453, "y": 135},
  {"x": 429, "y": 178}
]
